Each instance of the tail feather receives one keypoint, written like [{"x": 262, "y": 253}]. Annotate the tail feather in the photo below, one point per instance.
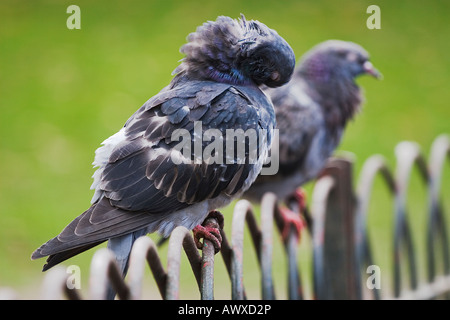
[
  {"x": 99, "y": 223},
  {"x": 54, "y": 259}
]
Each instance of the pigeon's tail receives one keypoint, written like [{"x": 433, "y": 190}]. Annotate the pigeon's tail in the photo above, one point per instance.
[
  {"x": 54, "y": 259},
  {"x": 94, "y": 226}
]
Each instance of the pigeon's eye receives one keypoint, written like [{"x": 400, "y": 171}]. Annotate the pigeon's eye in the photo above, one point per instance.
[
  {"x": 341, "y": 53},
  {"x": 275, "y": 76}
]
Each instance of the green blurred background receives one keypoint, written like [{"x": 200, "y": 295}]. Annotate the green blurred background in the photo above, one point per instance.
[{"x": 62, "y": 92}]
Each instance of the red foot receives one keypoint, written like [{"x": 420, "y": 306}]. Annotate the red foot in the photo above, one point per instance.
[
  {"x": 291, "y": 218},
  {"x": 210, "y": 233},
  {"x": 300, "y": 196}
]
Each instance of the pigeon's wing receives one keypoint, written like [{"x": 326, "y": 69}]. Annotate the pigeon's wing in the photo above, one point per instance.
[
  {"x": 141, "y": 174},
  {"x": 141, "y": 183}
]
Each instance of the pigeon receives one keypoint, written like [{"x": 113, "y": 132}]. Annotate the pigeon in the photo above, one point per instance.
[
  {"x": 312, "y": 111},
  {"x": 160, "y": 171}
]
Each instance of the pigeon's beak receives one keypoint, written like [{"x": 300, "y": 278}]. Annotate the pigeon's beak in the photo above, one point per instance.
[{"x": 370, "y": 69}]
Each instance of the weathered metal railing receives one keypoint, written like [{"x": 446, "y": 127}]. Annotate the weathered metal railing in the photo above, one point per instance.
[
  {"x": 353, "y": 244},
  {"x": 408, "y": 155},
  {"x": 339, "y": 231},
  {"x": 105, "y": 272}
]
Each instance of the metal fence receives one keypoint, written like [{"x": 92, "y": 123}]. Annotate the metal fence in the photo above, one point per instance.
[{"x": 339, "y": 232}]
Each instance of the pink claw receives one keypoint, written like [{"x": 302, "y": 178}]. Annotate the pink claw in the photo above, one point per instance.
[
  {"x": 291, "y": 218},
  {"x": 208, "y": 232}
]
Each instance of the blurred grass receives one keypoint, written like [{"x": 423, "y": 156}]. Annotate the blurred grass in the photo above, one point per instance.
[{"x": 62, "y": 92}]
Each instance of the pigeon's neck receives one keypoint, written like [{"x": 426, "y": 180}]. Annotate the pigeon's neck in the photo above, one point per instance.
[
  {"x": 340, "y": 100},
  {"x": 231, "y": 76}
]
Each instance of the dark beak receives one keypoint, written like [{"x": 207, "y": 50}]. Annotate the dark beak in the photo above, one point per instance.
[{"x": 370, "y": 69}]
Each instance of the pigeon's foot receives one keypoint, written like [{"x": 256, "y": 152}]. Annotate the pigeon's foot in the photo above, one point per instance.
[
  {"x": 210, "y": 230},
  {"x": 300, "y": 196},
  {"x": 291, "y": 218}
]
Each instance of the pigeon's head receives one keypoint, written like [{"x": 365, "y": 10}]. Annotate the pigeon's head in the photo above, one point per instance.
[
  {"x": 238, "y": 52},
  {"x": 265, "y": 57},
  {"x": 335, "y": 59}
]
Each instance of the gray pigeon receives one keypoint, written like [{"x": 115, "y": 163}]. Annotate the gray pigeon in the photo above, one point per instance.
[
  {"x": 312, "y": 111},
  {"x": 145, "y": 182}
]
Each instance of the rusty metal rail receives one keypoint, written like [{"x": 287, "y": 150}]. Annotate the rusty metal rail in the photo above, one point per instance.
[
  {"x": 408, "y": 156},
  {"x": 341, "y": 245},
  {"x": 104, "y": 271}
]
